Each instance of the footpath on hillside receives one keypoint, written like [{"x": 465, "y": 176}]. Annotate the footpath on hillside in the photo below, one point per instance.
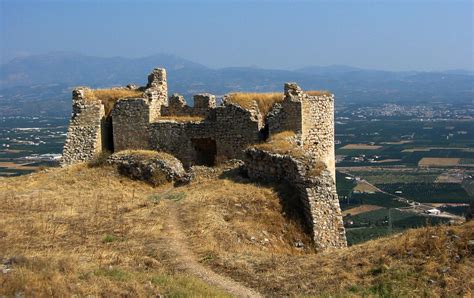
[{"x": 173, "y": 243}]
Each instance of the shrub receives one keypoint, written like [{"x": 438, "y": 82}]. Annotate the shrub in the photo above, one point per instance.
[{"x": 99, "y": 160}]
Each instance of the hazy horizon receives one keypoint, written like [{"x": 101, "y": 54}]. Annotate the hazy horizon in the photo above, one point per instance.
[{"x": 417, "y": 35}]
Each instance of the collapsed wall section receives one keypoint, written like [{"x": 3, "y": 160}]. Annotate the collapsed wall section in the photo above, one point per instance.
[
  {"x": 317, "y": 193},
  {"x": 204, "y": 105},
  {"x": 84, "y": 135},
  {"x": 287, "y": 115}
]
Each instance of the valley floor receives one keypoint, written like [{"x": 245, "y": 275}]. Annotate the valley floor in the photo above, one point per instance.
[{"x": 89, "y": 231}]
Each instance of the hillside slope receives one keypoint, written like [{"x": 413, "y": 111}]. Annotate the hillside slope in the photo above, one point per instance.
[{"x": 90, "y": 231}]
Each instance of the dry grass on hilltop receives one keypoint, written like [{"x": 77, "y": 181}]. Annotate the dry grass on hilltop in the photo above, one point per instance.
[
  {"x": 108, "y": 97},
  {"x": 264, "y": 101},
  {"x": 88, "y": 231},
  {"x": 85, "y": 231}
]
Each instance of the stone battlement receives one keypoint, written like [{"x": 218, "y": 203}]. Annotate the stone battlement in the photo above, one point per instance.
[{"x": 209, "y": 133}]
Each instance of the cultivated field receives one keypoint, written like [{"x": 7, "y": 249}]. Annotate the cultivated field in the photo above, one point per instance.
[{"x": 438, "y": 162}]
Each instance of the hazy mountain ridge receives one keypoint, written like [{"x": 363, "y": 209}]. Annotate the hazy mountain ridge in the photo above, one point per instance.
[{"x": 36, "y": 83}]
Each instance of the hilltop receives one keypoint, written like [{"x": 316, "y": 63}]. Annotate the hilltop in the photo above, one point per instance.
[{"x": 89, "y": 231}]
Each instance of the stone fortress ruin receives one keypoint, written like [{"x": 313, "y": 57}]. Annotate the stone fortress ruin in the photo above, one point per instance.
[{"x": 288, "y": 137}]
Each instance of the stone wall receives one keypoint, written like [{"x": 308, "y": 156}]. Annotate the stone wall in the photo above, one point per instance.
[
  {"x": 231, "y": 127},
  {"x": 84, "y": 135},
  {"x": 204, "y": 105},
  {"x": 130, "y": 121},
  {"x": 287, "y": 115},
  {"x": 317, "y": 193},
  {"x": 318, "y": 129},
  {"x": 156, "y": 92}
]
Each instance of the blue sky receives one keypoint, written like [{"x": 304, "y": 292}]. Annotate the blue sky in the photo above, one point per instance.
[{"x": 392, "y": 35}]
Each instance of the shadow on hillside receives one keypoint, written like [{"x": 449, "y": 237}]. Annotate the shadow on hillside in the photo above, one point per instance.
[{"x": 292, "y": 209}]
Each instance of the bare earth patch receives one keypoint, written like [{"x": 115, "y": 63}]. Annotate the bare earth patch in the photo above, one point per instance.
[
  {"x": 438, "y": 162},
  {"x": 17, "y": 166},
  {"x": 363, "y": 186}
]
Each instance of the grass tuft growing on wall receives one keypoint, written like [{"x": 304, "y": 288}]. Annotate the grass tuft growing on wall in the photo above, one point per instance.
[
  {"x": 318, "y": 93},
  {"x": 264, "y": 101},
  {"x": 108, "y": 97}
]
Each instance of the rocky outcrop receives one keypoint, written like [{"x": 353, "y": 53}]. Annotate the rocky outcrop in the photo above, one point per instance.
[{"x": 156, "y": 168}]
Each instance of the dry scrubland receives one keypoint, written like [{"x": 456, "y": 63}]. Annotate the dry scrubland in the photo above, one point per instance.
[{"x": 89, "y": 231}]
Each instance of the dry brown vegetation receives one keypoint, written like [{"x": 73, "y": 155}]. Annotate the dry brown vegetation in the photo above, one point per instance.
[
  {"x": 282, "y": 143},
  {"x": 318, "y": 93},
  {"x": 88, "y": 231},
  {"x": 108, "y": 97},
  {"x": 182, "y": 118},
  {"x": 264, "y": 101}
]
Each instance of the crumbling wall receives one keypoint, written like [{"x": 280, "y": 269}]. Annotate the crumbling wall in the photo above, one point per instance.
[
  {"x": 236, "y": 128},
  {"x": 130, "y": 121},
  {"x": 156, "y": 92},
  {"x": 318, "y": 129},
  {"x": 231, "y": 127},
  {"x": 287, "y": 115},
  {"x": 84, "y": 135},
  {"x": 176, "y": 107},
  {"x": 204, "y": 106},
  {"x": 317, "y": 193}
]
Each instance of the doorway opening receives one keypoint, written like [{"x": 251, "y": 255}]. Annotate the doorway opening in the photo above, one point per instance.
[
  {"x": 107, "y": 134},
  {"x": 205, "y": 150}
]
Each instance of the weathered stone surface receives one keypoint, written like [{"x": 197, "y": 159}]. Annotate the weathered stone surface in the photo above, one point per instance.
[
  {"x": 155, "y": 168},
  {"x": 83, "y": 140}
]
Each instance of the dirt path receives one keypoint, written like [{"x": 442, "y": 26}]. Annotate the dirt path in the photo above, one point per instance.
[{"x": 174, "y": 245}]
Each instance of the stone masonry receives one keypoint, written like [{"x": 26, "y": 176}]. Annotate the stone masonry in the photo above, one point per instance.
[{"x": 208, "y": 133}]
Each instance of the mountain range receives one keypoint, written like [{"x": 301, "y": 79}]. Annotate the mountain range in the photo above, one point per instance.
[{"x": 42, "y": 83}]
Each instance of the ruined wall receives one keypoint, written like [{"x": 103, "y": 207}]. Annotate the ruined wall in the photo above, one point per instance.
[
  {"x": 130, "y": 120},
  {"x": 287, "y": 115},
  {"x": 156, "y": 92},
  {"x": 176, "y": 107},
  {"x": 317, "y": 193},
  {"x": 232, "y": 128},
  {"x": 84, "y": 135},
  {"x": 318, "y": 129},
  {"x": 175, "y": 138},
  {"x": 235, "y": 129},
  {"x": 204, "y": 105}
]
